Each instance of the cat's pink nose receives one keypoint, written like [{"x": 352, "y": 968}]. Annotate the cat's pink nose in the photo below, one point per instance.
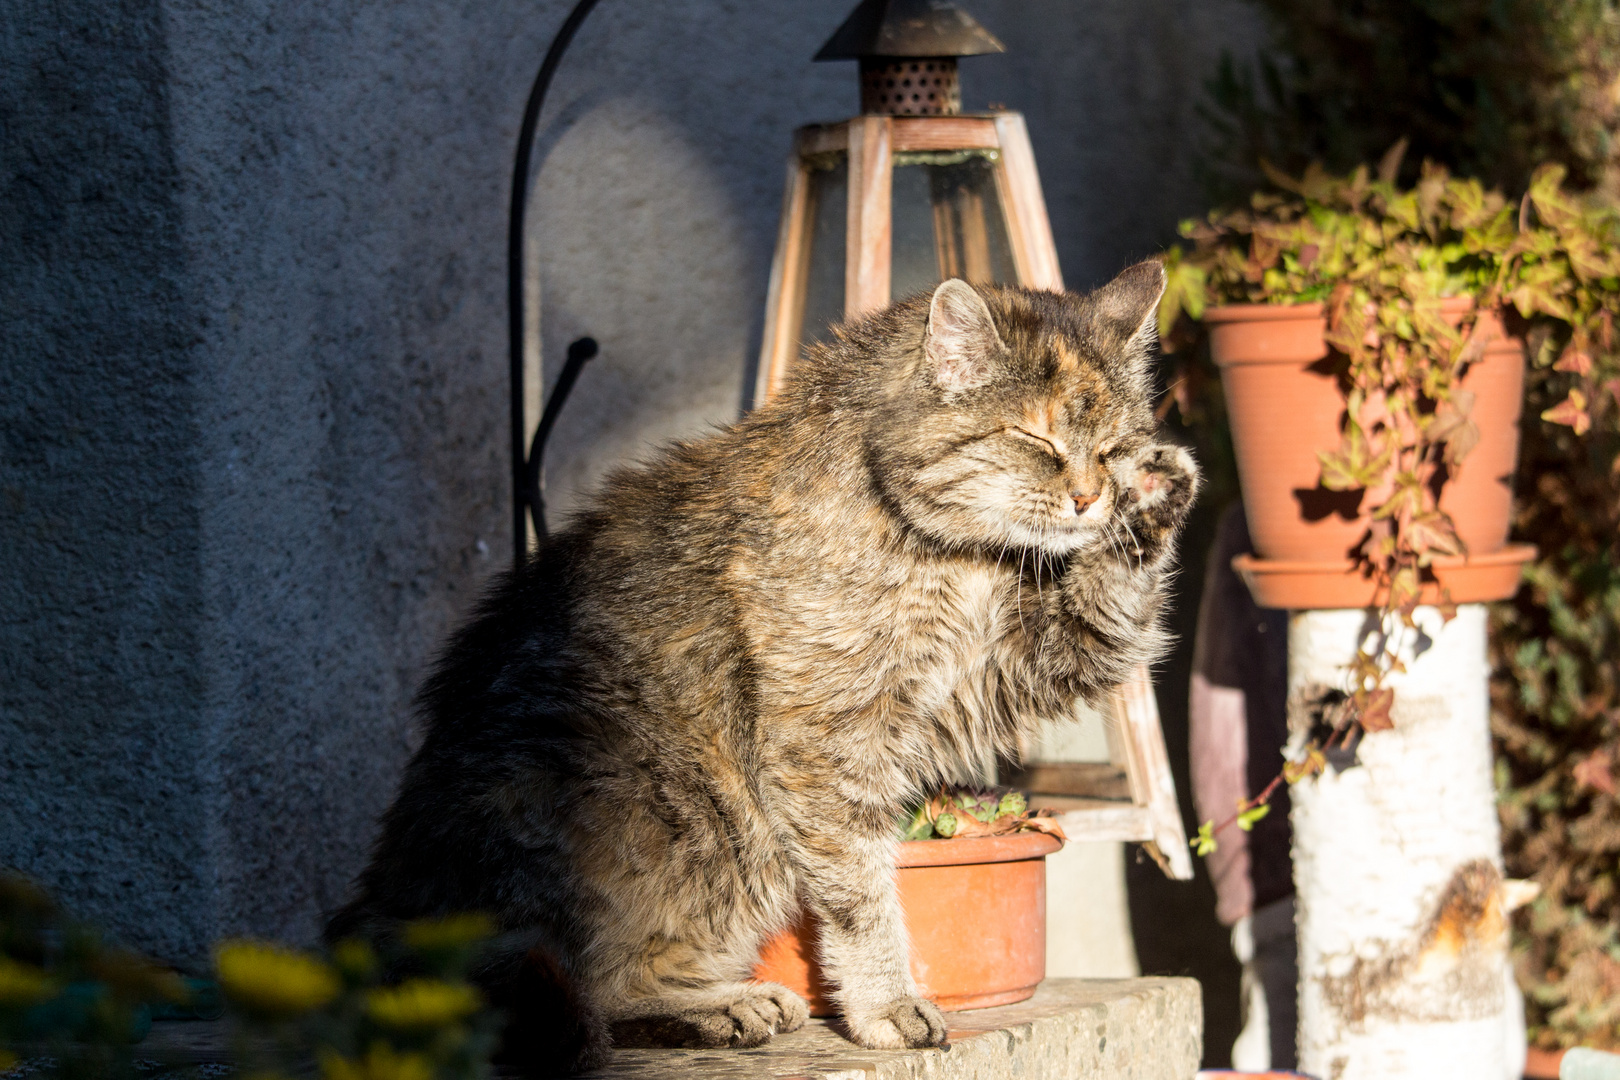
[{"x": 1082, "y": 501}]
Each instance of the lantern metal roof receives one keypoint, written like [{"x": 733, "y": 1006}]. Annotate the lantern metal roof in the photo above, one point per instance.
[{"x": 908, "y": 28}]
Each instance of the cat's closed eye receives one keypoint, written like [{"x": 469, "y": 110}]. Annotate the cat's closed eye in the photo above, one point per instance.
[{"x": 1029, "y": 436}]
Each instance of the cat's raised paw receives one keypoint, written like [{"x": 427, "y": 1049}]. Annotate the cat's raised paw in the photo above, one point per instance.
[
  {"x": 901, "y": 1024},
  {"x": 1159, "y": 484}
]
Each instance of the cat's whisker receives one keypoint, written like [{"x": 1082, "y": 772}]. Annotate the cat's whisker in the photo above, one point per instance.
[
  {"x": 1134, "y": 541},
  {"x": 1039, "y": 557},
  {"x": 1112, "y": 534},
  {"x": 1019, "y": 596}
]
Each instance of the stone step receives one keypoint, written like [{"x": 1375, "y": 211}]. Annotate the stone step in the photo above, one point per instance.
[{"x": 1096, "y": 1029}]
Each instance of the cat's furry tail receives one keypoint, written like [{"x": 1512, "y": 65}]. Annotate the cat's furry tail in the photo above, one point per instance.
[{"x": 551, "y": 1029}]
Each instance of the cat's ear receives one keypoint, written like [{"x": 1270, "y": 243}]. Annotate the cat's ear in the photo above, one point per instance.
[
  {"x": 1125, "y": 316},
  {"x": 961, "y": 343}
]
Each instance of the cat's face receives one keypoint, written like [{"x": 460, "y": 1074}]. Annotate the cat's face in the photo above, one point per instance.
[{"x": 1022, "y": 420}]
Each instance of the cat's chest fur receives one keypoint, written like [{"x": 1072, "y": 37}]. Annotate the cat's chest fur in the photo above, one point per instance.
[{"x": 892, "y": 643}]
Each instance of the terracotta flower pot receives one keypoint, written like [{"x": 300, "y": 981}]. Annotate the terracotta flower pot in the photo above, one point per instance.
[
  {"x": 1282, "y": 395},
  {"x": 976, "y": 913},
  {"x": 1284, "y": 404}
]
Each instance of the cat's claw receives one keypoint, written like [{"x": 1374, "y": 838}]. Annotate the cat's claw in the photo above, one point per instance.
[
  {"x": 783, "y": 1010},
  {"x": 770, "y": 1009},
  {"x": 767, "y": 1009},
  {"x": 906, "y": 1023}
]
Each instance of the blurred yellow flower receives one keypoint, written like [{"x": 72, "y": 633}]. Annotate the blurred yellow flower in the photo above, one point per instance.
[
  {"x": 422, "y": 1003},
  {"x": 22, "y": 985},
  {"x": 273, "y": 981},
  {"x": 355, "y": 958},
  {"x": 8, "y": 1060},
  {"x": 381, "y": 1062},
  {"x": 450, "y": 932}
]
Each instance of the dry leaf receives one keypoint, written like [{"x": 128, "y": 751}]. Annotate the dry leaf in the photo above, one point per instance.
[
  {"x": 1574, "y": 360},
  {"x": 1593, "y": 772},
  {"x": 1039, "y": 822},
  {"x": 1571, "y": 412},
  {"x": 1375, "y": 713}
]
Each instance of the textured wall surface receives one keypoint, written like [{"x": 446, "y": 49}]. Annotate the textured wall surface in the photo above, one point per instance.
[
  {"x": 252, "y": 366},
  {"x": 103, "y": 790}
]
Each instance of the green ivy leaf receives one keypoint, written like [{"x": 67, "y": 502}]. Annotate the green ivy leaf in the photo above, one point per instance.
[{"x": 1247, "y": 819}]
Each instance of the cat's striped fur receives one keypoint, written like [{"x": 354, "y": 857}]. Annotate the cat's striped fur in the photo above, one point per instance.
[{"x": 707, "y": 700}]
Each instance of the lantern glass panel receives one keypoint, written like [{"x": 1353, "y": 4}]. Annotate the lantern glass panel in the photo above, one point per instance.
[
  {"x": 948, "y": 222},
  {"x": 827, "y": 208}
]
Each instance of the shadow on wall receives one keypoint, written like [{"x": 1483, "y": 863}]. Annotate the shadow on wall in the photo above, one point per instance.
[{"x": 664, "y": 149}]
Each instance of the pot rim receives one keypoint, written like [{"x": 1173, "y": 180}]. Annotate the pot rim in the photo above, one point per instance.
[
  {"x": 967, "y": 850},
  {"x": 1314, "y": 309},
  {"x": 1225, "y": 313},
  {"x": 1299, "y": 585},
  {"x": 1511, "y": 553}
]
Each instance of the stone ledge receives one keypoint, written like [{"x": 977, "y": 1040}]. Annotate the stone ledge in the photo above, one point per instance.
[{"x": 1115, "y": 1029}]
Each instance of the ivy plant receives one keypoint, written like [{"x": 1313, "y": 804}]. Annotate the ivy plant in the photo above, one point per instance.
[{"x": 1383, "y": 260}]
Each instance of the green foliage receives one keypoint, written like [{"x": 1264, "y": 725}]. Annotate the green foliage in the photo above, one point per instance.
[
  {"x": 1556, "y": 718},
  {"x": 1250, "y": 817},
  {"x": 1385, "y": 260},
  {"x": 1493, "y": 89},
  {"x": 1489, "y": 88}
]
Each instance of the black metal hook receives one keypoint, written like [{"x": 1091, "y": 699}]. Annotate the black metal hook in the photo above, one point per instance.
[
  {"x": 526, "y": 483},
  {"x": 533, "y": 477}
]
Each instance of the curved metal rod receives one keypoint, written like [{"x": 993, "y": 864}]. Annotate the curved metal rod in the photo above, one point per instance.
[
  {"x": 534, "y": 479},
  {"x": 514, "y": 280}
]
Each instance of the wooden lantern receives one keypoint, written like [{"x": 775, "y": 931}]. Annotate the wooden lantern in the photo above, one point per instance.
[
  {"x": 891, "y": 203},
  {"x": 909, "y": 193}
]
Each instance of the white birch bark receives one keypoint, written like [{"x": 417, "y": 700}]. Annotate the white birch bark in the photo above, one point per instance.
[{"x": 1402, "y": 933}]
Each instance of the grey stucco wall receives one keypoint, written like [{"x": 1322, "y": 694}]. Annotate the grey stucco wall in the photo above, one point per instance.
[
  {"x": 252, "y": 390},
  {"x": 101, "y": 602}
]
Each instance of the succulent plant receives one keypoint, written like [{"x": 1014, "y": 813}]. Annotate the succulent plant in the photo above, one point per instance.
[{"x": 973, "y": 811}]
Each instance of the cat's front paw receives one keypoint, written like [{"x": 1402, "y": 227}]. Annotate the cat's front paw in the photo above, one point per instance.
[
  {"x": 901, "y": 1024},
  {"x": 766, "y": 1009},
  {"x": 759, "y": 1012},
  {"x": 1157, "y": 485},
  {"x": 784, "y": 1010}
]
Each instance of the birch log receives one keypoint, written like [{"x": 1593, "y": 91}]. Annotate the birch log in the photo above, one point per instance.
[{"x": 1402, "y": 933}]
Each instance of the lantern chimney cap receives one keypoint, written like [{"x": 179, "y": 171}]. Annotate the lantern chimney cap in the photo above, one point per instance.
[{"x": 909, "y": 28}]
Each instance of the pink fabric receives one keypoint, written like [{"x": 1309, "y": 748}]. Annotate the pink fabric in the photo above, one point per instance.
[{"x": 1219, "y": 748}]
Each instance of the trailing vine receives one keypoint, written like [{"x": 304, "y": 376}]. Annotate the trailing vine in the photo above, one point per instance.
[{"x": 1390, "y": 266}]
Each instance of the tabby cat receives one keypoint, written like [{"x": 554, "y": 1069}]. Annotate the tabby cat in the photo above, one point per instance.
[{"x": 706, "y": 702}]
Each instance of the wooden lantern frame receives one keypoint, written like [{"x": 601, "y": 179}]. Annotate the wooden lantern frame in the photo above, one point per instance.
[
  {"x": 870, "y": 143},
  {"x": 1132, "y": 797}
]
